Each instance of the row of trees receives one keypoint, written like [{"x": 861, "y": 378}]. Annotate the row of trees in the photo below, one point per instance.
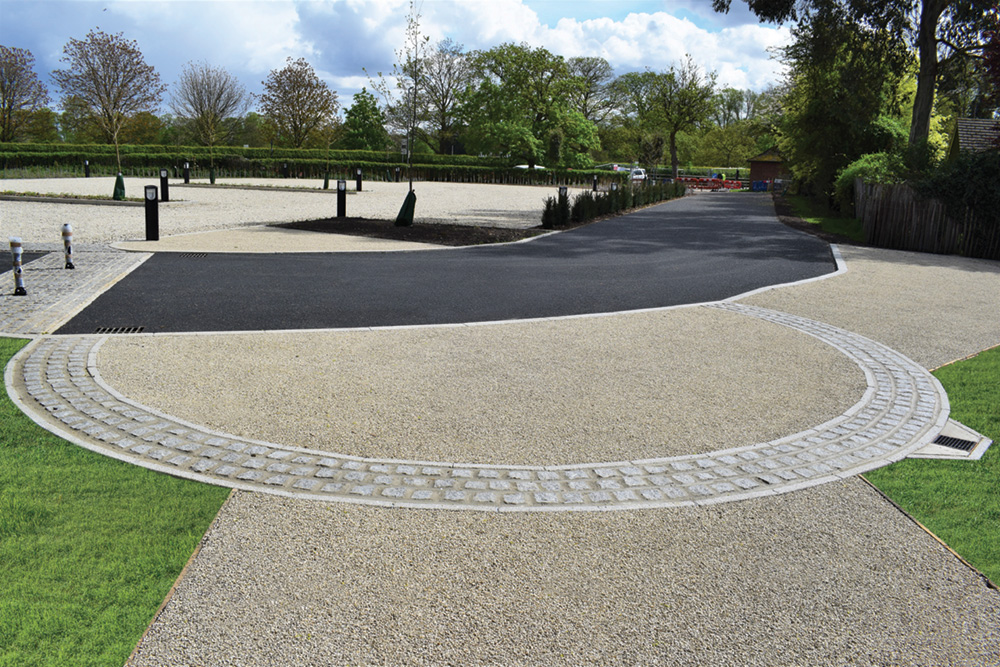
[
  {"x": 857, "y": 85},
  {"x": 513, "y": 100}
]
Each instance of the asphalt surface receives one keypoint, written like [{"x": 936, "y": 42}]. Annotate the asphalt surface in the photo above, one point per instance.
[{"x": 687, "y": 251}]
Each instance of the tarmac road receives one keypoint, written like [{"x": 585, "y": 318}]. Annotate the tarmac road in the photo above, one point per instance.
[{"x": 690, "y": 250}]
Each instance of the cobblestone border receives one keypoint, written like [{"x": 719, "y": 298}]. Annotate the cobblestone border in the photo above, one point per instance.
[{"x": 55, "y": 381}]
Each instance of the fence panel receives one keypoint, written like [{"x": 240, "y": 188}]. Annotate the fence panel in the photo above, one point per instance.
[{"x": 894, "y": 216}]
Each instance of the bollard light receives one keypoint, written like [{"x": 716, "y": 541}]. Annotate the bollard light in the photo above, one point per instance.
[
  {"x": 164, "y": 185},
  {"x": 67, "y": 236},
  {"x": 358, "y": 184},
  {"x": 595, "y": 182},
  {"x": 152, "y": 215},
  {"x": 563, "y": 190},
  {"x": 187, "y": 173},
  {"x": 341, "y": 199},
  {"x": 15, "y": 252},
  {"x": 86, "y": 168}
]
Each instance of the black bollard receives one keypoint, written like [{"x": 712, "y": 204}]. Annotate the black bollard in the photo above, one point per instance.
[
  {"x": 397, "y": 174},
  {"x": 164, "y": 186},
  {"x": 595, "y": 182},
  {"x": 359, "y": 179},
  {"x": 152, "y": 214},
  {"x": 326, "y": 181},
  {"x": 187, "y": 173},
  {"x": 86, "y": 168},
  {"x": 341, "y": 199},
  {"x": 284, "y": 170}
]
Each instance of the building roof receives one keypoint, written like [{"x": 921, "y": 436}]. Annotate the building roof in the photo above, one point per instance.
[
  {"x": 772, "y": 154},
  {"x": 975, "y": 134}
]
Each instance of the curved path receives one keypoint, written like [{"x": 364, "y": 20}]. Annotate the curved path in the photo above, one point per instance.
[
  {"x": 55, "y": 380},
  {"x": 691, "y": 250}
]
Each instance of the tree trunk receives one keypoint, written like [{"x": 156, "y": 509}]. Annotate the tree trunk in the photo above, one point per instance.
[
  {"x": 923, "y": 102},
  {"x": 674, "y": 163}
]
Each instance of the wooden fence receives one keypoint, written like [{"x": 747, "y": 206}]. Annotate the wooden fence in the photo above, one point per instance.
[{"x": 894, "y": 216}]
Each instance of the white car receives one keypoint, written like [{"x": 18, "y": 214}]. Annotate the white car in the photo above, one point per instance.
[{"x": 638, "y": 174}]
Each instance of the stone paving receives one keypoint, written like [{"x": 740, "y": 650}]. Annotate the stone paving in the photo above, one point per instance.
[
  {"x": 56, "y": 382},
  {"x": 56, "y": 293}
]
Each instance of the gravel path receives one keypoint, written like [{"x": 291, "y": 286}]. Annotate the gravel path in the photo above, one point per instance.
[
  {"x": 824, "y": 576},
  {"x": 194, "y": 209}
]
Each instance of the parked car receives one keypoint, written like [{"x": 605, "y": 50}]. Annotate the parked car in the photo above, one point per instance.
[{"x": 638, "y": 174}]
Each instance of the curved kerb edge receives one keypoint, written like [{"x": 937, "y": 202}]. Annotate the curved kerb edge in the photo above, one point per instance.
[{"x": 55, "y": 382}]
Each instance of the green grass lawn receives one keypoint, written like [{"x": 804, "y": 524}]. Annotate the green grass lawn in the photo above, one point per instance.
[
  {"x": 817, "y": 214},
  {"x": 959, "y": 501},
  {"x": 89, "y": 545}
]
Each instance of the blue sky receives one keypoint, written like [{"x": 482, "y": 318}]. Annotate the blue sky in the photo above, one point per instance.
[{"x": 340, "y": 37}]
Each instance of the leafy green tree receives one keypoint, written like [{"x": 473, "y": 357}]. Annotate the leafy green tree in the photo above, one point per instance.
[
  {"x": 447, "y": 72},
  {"x": 21, "y": 92},
  {"x": 519, "y": 101},
  {"x": 109, "y": 77},
  {"x": 592, "y": 98},
  {"x": 846, "y": 87},
  {"x": 730, "y": 145},
  {"x": 364, "y": 124},
  {"x": 142, "y": 128},
  {"x": 683, "y": 99},
  {"x": 926, "y": 26},
  {"x": 637, "y": 117},
  {"x": 297, "y": 101},
  {"x": 41, "y": 127}
]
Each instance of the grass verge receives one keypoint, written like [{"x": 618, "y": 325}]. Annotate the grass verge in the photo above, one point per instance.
[
  {"x": 959, "y": 501},
  {"x": 817, "y": 214},
  {"x": 90, "y": 545}
]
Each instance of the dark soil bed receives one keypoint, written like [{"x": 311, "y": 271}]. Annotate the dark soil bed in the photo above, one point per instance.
[{"x": 441, "y": 234}]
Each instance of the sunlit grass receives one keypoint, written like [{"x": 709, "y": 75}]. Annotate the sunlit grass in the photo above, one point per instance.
[
  {"x": 89, "y": 545},
  {"x": 959, "y": 501},
  {"x": 817, "y": 214}
]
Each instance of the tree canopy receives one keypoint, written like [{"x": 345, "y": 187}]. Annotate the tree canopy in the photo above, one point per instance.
[
  {"x": 21, "y": 92},
  {"x": 296, "y": 101},
  {"x": 206, "y": 96}
]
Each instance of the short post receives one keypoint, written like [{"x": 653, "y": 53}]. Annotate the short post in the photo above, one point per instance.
[
  {"x": 284, "y": 170},
  {"x": 595, "y": 182},
  {"x": 614, "y": 187},
  {"x": 86, "y": 168},
  {"x": 187, "y": 173},
  {"x": 397, "y": 174},
  {"x": 358, "y": 185},
  {"x": 341, "y": 199},
  {"x": 164, "y": 186},
  {"x": 326, "y": 181},
  {"x": 563, "y": 190},
  {"x": 15, "y": 252},
  {"x": 152, "y": 215},
  {"x": 67, "y": 236}
]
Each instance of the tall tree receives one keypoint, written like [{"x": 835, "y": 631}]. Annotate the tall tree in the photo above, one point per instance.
[
  {"x": 518, "y": 102},
  {"x": 638, "y": 115},
  {"x": 683, "y": 97},
  {"x": 297, "y": 101},
  {"x": 110, "y": 77},
  {"x": 447, "y": 72},
  {"x": 21, "y": 92},
  {"x": 925, "y": 25},
  {"x": 210, "y": 99},
  {"x": 592, "y": 98},
  {"x": 364, "y": 124}
]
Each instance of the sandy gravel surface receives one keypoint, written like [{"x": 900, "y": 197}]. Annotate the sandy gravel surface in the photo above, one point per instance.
[
  {"x": 194, "y": 209},
  {"x": 631, "y": 387},
  {"x": 932, "y": 308},
  {"x": 830, "y": 575}
]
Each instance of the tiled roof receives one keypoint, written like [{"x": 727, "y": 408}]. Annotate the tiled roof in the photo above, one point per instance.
[
  {"x": 770, "y": 155},
  {"x": 977, "y": 134}
]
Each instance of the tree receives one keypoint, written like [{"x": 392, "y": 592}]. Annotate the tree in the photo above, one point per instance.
[
  {"x": 297, "y": 101},
  {"x": 364, "y": 125},
  {"x": 931, "y": 25},
  {"x": 638, "y": 116},
  {"x": 845, "y": 97},
  {"x": 210, "y": 99},
  {"x": 683, "y": 99},
  {"x": 447, "y": 72},
  {"x": 21, "y": 92},
  {"x": 108, "y": 75},
  {"x": 518, "y": 101},
  {"x": 592, "y": 98},
  {"x": 142, "y": 128}
]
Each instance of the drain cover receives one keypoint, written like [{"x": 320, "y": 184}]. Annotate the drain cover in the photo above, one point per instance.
[
  {"x": 119, "y": 330},
  {"x": 955, "y": 443},
  {"x": 193, "y": 254}
]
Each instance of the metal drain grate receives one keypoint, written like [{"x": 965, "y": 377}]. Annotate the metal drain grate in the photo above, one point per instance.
[
  {"x": 119, "y": 330},
  {"x": 193, "y": 254},
  {"x": 955, "y": 443}
]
